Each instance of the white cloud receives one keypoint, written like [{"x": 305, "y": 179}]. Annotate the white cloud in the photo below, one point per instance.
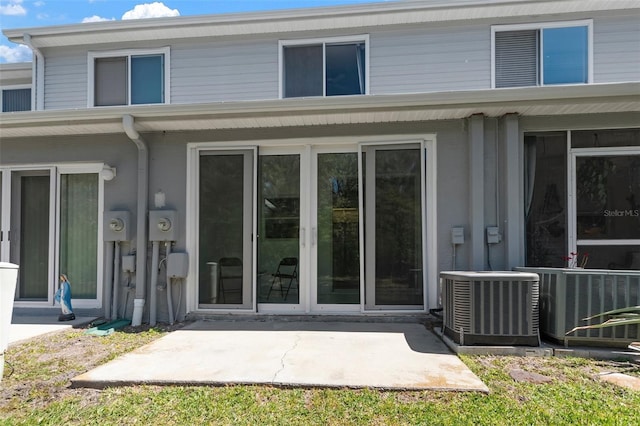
[
  {"x": 14, "y": 8},
  {"x": 39, "y": 4},
  {"x": 96, "y": 18},
  {"x": 19, "y": 53},
  {"x": 150, "y": 10}
]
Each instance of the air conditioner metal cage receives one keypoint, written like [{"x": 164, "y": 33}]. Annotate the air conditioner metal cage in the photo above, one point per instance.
[{"x": 491, "y": 308}]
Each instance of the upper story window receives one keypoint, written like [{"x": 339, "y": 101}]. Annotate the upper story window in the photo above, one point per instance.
[
  {"x": 129, "y": 77},
  {"x": 327, "y": 67},
  {"x": 542, "y": 54},
  {"x": 16, "y": 99}
]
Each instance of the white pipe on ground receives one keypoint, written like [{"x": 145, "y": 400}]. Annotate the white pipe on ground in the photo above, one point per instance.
[{"x": 141, "y": 224}]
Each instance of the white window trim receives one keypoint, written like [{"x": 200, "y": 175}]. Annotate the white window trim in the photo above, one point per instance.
[
  {"x": 541, "y": 26},
  {"x": 92, "y": 56},
  {"x": 16, "y": 87},
  {"x": 322, "y": 41},
  {"x": 573, "y": 154}
]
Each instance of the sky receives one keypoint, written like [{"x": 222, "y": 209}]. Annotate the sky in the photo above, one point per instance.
[{"x": 42, "y": 13}]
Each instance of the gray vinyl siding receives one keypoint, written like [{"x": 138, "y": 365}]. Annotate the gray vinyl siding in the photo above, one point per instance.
[
  {"x": 616, "y": 49},
  {"x": 430, "y": 60},
  {"x": 427, "y": 58},
  {"x": 66, "y": 80},
  {"x": 215, "y": 72}
]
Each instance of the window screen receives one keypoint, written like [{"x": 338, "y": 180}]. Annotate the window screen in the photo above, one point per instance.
[
  {"x": 16, "y": 100},
  {"x": 516, "y": 62},
  {"x": 303, "y": 71},
  {"x": 110, "y": 81}
]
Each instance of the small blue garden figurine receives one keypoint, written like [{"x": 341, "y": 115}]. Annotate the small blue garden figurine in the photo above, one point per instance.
[{"x": 63, "y": 296}]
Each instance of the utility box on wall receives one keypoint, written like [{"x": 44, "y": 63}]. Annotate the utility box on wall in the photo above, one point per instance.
[
  {"x": 491, "y": 308},
  {"x": 117, "y": 226},
  {"x": 162, "y": 225}
]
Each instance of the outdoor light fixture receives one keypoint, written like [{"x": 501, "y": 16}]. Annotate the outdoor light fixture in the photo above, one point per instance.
[{"x": 108, "y": 172}]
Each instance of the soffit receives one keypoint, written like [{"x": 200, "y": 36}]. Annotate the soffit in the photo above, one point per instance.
[
  {"x": 304, "y": 20},
  {"x": 558, "y": 101}
]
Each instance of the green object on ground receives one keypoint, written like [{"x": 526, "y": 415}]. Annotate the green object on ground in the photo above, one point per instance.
[{"x": 107, "y": 328}]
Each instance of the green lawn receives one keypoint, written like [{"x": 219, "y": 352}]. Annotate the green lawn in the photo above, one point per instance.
[{"x": 37, "y": 393}]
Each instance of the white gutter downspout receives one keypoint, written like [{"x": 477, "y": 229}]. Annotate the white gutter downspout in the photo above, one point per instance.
[
  {"x": 141, "y": 225},
  {"x": 37, "y": 75}
]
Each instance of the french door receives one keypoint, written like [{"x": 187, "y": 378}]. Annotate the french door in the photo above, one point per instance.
[
  {"x": 50, "y": 223},
  {"x": 312, "y": 228}
]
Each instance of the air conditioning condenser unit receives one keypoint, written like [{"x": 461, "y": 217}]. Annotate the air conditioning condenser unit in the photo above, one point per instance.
[{"x": 491, "y": 308}]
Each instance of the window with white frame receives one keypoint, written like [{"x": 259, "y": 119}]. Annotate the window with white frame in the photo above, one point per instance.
[
  {"x": 16, "y": 99},
  {"x": 542, "y": 54},
  {"x": 328, "y": 67},
  {"x": 129, "y": 77},
  {"x": 582, "y": 198}
]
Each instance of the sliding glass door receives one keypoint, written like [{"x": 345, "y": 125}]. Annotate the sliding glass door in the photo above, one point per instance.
[
  {"x": 31, "y": 233},
  {"x": 282, "y": 242},
  {"x": 50, "y": 223},
  {"x": 392, "y": 216},
  {"x": 338, "y": 228},
  {"x": 225, "y": 224},
  {"x": 335, "y": 231}
]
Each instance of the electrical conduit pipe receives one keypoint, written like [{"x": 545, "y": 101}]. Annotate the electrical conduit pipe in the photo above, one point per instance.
[
  {"x": 153, "y": 289},
  {"x": 108, "y": 279},
  {"x": 116, "y": 281},
  {"x": 141, "y": 224},
  {"x": 169, "y": 297}
]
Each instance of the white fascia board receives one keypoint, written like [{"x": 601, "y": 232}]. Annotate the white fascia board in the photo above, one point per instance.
[
  {"x": 304, "y": 20},
  {"x": 604, "y": 93}
]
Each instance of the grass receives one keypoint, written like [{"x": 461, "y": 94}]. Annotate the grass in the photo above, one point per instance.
[{"x": 38, "y": 393}]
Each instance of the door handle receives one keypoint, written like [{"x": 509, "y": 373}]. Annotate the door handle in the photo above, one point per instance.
[
  {"x": 314, "y": 236},
  {"x": 303, "y": 239}
]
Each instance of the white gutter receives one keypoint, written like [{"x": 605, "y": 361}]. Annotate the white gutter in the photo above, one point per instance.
[
  {"x": 37, "y": 75},
  {"x": 141, "y": 217}
]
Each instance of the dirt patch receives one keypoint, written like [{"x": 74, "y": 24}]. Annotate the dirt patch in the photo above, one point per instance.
[{"x": 39, "y": 370}]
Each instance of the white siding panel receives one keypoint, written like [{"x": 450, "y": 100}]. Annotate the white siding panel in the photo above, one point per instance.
[
  {"x": 214, "y": 72},
  {"x": 616, "y": 49},
  {"x": 66, "y": 80},
  {"x": 430, "y": 59}
]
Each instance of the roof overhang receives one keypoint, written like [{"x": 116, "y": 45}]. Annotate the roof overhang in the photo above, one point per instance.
[
  {"x": 19, "y": 73},
  {"x": 282, "y": 22},
  {"x": 537, "y": 101}
]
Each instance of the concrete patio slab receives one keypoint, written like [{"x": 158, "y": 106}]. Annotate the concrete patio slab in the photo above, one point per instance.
[
  {"x": 308, "y": 354},
  {"x": 27, "y": 327}
]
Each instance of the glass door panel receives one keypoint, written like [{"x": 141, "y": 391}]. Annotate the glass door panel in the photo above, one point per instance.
[
  {"x": 225, "y": 229},
  {"x": 79, "y": 233},
  {"x": 279, "y": 210},
  {"x": 337, "y": 229},
  {"x": 393, "y": 227},
  {"x": 30, "y": 233}
]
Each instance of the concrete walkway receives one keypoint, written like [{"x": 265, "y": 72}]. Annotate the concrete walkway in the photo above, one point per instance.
[{"x": 309, "y": 354}]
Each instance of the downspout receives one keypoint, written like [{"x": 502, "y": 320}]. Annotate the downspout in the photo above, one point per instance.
[
  {"x": 37, "y": 75},
  {"x": 141, "y": 225}
]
